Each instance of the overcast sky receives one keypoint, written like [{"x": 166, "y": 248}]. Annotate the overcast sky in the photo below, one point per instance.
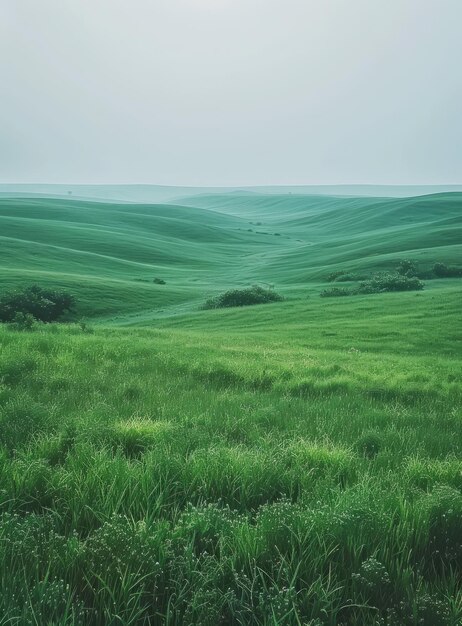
[{"x": 231, "y": 92}]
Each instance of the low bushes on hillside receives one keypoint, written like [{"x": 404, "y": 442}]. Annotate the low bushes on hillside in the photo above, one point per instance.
[
  {"x": 441, "y": 270},
  {"x": 390, "y": 282},
  {"x": 405, "y": 269},
  {"x": 379, "y": 283},
  {"x": 243, "y": 297},
  {"x": 22, "y": 321},
  {"x": 44, "y": 305}
]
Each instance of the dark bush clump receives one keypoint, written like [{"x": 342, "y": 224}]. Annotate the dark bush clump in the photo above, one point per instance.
[
  {"x": 390, "y": 282},
  {"x": 44, "y": 305},
  {"x": 441, "y": 270},
  {"x": 23, "y": 321},
  {"x": 243, "y": 297},
  {"x": 379, "y": 283}
]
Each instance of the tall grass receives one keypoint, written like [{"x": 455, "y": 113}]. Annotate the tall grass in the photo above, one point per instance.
[{"x": 181, "y": 477}]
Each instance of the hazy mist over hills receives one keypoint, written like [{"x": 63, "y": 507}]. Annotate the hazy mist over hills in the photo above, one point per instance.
[{"x": 159, "y": 193}]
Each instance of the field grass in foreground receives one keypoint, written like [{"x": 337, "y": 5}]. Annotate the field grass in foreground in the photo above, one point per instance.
[{"x": 287, "y": 464}]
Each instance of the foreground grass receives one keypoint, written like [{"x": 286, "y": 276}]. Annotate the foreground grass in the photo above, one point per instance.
[{"x": 298, "y": 465}]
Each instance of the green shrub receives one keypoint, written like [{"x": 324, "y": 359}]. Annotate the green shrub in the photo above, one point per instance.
[
  {"x": 23, "y": 321},
  {"x": 389, "y": 282},
  {"x": 42, "y": 304},
  {"x": 441, "y": 270},
  {"x": 378, "y": 283},
  {"x": 243, "y": 297}
]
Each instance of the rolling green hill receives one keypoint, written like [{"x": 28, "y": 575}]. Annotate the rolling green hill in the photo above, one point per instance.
[
  {"x": 287, "y": 464},
  {"x": 108, "y": 254}
]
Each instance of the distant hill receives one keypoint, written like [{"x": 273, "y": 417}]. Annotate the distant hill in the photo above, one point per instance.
[
  {"x": 164, "y": 193},
  {"x": 109, "y": 253}
]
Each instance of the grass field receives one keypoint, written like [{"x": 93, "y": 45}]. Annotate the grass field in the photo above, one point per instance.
[{"x": 296, "y": 463}]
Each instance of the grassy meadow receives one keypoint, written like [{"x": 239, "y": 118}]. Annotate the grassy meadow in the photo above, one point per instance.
[{"x": 287, "y": 464}]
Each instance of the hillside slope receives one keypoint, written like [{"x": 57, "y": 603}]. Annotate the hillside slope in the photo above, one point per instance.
[
  {"x": 287, "y": 463},
  {"x": 109, "y": 254}
]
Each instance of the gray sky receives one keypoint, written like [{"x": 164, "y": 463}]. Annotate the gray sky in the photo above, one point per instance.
[{"x": 231, "y": 92}]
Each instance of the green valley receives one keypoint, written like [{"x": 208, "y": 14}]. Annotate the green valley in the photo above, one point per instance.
[{"x": 287, "y": 464}]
